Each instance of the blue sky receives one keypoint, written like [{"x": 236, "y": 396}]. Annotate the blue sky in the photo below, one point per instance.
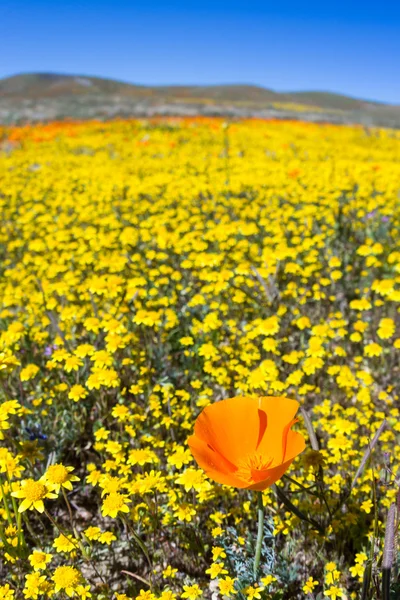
[{"x": 350, "y": 47}]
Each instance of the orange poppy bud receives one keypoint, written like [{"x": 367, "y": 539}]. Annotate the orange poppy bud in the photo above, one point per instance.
[{"x": 247, "y": 442}]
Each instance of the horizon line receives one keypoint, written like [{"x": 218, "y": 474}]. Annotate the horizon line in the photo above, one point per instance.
[{"x": 180, "y": 85}]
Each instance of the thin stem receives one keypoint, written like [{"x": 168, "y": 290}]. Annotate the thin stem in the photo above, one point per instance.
[
  {"x": 65, "y": 534},
  {"x": 141, "y": 546},
  {"x": 260, "y": 533},
  {"x": 5, "y": 503},
  {"x": 305, "y": 489},
  {"x": 18, "y": 516},
  {"x": 71, "y": 518},
  {"x": 30, "y": 529}
]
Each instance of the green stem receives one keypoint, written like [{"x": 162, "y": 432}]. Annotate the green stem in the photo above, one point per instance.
[
  {"x": 5, "y": 503},
  {"x": 300, "y": 485},
  {"x": 38, "y": 542},
  {"x": 260, "y": 533},
  {"x": 142, "y": 547},
  {"x": 71, "y": 518},
  {"x": 18, "y": 516}
]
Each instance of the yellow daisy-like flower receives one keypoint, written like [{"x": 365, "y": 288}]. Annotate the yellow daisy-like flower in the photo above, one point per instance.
[
  {"x": 113, "y": 504},
  {"x": 67, "y": 579},
  {"x": 373, "y": 349},
  {"x": 309, "y": 585},
  {"x": 64, "y": 544},
  {"x": 29, "y": 372},
  {"x": 77, "y": 392},
  {"x": 191, "y": 592},
  {"x": 39, "y": 560},
  {"x": 32, "y": 494},
  {"x": 8, "y": 361},
  {"x": 253, "y": 592},
  {"x": 93, "y": 533},
  {"x": 83, "y": 591},
  {"x": 107, "y": 537},
  {"x": 6, "y": 593},
  {"x": 34, "y": 585},
  {"x": 58, "y": 476},
  {"x": 216, "y": 570},
  {"x": 227, "y": 586}
]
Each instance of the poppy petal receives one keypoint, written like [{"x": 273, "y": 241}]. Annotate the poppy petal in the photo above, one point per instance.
[
  {"x": 215, "y": 465},
  {"x": 295, "y": 444},
  {"x": 272, "y": 475},
  {"x": 231, "y": 427},
  {"x": 280, "y": 416}
]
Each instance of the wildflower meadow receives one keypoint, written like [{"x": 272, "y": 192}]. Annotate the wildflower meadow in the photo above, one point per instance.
[{"x": 199, "y": 360}]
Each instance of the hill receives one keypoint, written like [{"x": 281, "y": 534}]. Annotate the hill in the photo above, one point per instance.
[{"x": 44, "y": 96}]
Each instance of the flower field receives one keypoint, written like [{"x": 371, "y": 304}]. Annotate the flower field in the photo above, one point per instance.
[{"x": 151, "y": 268}]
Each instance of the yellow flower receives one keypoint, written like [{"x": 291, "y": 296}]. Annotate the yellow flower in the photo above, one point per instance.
[
  {"x": 303, "y": 323},
  {"x": 218, "y": 552},
  {"x": 386, "y": 329},
  {"x": 309, "y": 586},
  {"x": 253, "y": 592},
  {"x": 361, "y": 557},
  {"x": 32, "y": 494},
  {"x": 107, "y": 537},
  {"x": 216, "y": 570},
  {"x": 65, "y": 544},
  {"x": 145, "y": 595},
  {"x": 180, "y": 457},
  {"x": 357, "y": 570},
  {"x": 67, "y": 579},
  {"x": 121, "y": 412},
  {"x": 29, "y": 372},
  {"x": 167, "y": 595},
  {"x": 58, "y": 476},
  {"x": 72, "y": 363},
  {"x": 191, "y": 592},
  {"x": 77, "y": 392},
  {"x": 186, "y": 341},
  {"x": 113, "y": 504},
  {"x": 92, "y": 533},
  {"x": 39, "y": 560},
  {"x": 191, "y": 479},
  {"x": 83, "y": 591},
  {"x": 185, "y": 512},
  {"x": 227, "y": 586},
  {"x": 373, "y": 349},
  {"x": 334, "y": 592},
  {"x": 267, "y": 580},
  {"x": 8, "y": 361},
  {"x": 366, "y": 506},
  {"x": 169, "y": 572},
  {"x": 34, "y": 585},
  {"x": 6, "y": 593}
]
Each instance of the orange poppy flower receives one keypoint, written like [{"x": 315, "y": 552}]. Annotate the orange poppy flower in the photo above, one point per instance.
[{"x": 247, "y": 442}]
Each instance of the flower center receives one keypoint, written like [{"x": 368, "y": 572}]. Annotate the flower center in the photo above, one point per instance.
[
  {"x": 57, "y": 474},
  {"x": 34, "y": 490},
  {"x": 114, "y": 501},
  {"x": 253, "y": 467},
  {"x": 66, "y": 577},
  {"x": 112, "y": 485}
]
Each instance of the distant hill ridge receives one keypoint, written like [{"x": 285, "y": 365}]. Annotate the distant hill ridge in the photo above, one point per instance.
[{"x": 37, "y": 86}]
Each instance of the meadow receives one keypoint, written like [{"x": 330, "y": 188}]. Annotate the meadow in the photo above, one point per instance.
[{"x": 151, "y": 268}]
